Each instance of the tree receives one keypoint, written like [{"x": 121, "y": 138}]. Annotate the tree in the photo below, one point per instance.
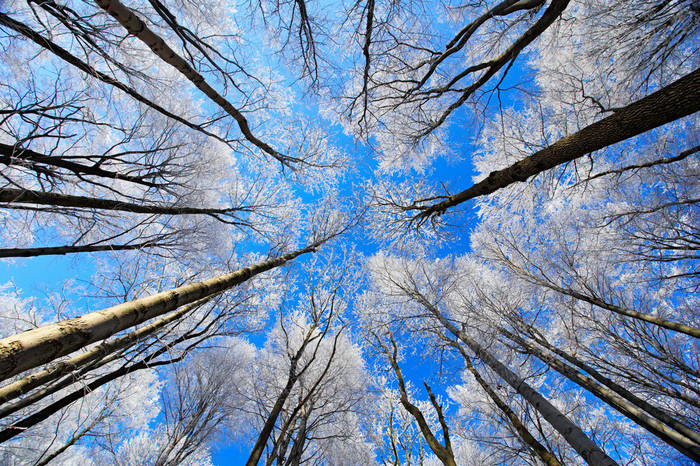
[
  {"x": 573, "y": 434},
  {"x": 164, "y": 146},
  {"x": 313, "y": 406}
]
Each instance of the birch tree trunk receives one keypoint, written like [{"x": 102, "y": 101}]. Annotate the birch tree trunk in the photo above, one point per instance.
[
  {"x": 572, "y": 433},
  {"x": 42, "y": 345},
  {"x": 683, "y": 439},
  {"x": 96, "y": 354}
]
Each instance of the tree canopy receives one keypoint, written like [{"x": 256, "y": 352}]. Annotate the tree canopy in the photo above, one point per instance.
[{"x": 372, "y": 232}]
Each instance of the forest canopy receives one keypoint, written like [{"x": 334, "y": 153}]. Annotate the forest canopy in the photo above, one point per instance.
[{"x": 375, "y": 232}]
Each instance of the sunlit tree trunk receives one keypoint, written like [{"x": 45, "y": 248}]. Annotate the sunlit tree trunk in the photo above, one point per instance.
[
  {"x": 545, "y": 455},
  {"x": 149, "y": 362},
  {"x": 87, "y": 358},
  {"x": 38, "y": 346},
  {"x": 572, "y": 433}
]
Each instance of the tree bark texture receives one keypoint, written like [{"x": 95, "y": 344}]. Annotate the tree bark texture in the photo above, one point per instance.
[
  {"x": 677, "y": 100},
  {"x": 32, "y": 381},
  {"x": 39, "y": 346}
]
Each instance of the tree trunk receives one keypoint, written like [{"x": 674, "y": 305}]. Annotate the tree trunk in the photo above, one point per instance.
[
  {"x": 44, "y": 413},
  {"x": 572, "y": 433},
  {"x": 272, "y": 417},
  {"x": 684, "y": 442},
  {"x": 38, "y": 346},
  {"x": 677, "y": 100},
  {"x": 132, "y": 23},
  {"x": 299, "y": 441},
  {"x": 545, "y": 455},
  {"x": 661, "y": 322},
  {"x": 13, "y": 155},
  {"x": 90, "y": 71},
  {"x": 25, "y": 196},
  {"x": 444, "y": 453},
  {"x": 62, "y": 250},
  {"x": 629, "y": 396},
  {"x": 97, "y": 353}
]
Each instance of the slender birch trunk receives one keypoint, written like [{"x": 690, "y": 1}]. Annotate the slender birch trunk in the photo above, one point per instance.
[
  {"x": 684, "y": 439},
  {"x": 572, "y": 433},
  {"x": 677, "y": 100},
  {"x": 545, "y": 455},
  {"x": 32, "y": 348}
]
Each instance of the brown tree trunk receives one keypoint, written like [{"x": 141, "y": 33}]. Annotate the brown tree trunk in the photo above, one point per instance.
[
  {"x": 443, "y": 452},
  {"x": 38, "y": 346},
  {"x": 677, "y": 100}
]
